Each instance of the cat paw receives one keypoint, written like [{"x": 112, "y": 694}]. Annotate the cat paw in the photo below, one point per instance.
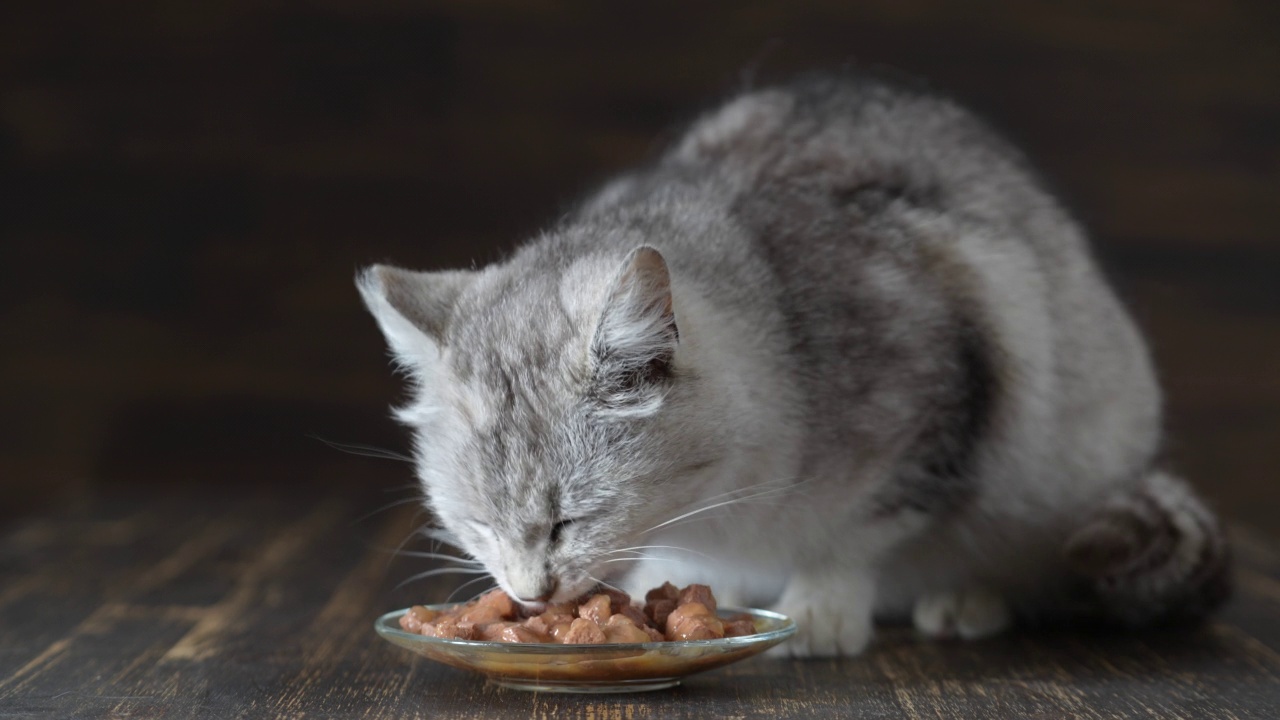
[
  {"x": 969, "y": 614},
  {"x": 833, "y": 619}
]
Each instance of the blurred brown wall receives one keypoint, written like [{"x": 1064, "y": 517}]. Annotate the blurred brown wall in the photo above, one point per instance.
[{"x": 189, "y": 187}]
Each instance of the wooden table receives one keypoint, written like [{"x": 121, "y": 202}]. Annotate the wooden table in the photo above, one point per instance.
[{"x": 229, "y": 602}]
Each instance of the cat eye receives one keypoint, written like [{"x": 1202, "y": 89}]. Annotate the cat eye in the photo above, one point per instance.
[{"x": 557, "y": 530}]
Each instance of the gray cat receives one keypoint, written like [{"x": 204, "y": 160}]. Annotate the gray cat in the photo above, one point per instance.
[{"x": 837, "y": 351}]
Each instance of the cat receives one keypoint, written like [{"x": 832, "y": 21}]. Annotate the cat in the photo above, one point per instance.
[{"x": 836, "y": 351}]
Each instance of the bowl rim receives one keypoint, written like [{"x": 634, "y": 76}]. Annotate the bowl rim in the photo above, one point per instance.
[{"x": 387, "y": 626}]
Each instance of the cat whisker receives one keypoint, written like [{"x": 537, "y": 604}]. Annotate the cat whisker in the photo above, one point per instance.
[
  {"x": 384, "y": 508},
  {"x": 440, "y": 571},
  {"x": 660, "y": 547},
  {"x": 713, "y": 506},
  {"x": 392, "y": 555},
  {"x": 469, "y": 582},
  {"x": 779, "y": 484},
  {"x": 365, "y": 450},
  {"x": 601, "y": 582},
  {"x": 441, "y": 535},
  {"x": 393, "y": 552},
  {"x": 638, "y": 559},
  {"x": 438, "y": 536},
  {"x": 482, "y": 591},
  {"x": 786, "y": 507},
  {"x": 774, "y": 502},
  {"x": 771, "y": 488},
  {"x": 438, "y": 556}
]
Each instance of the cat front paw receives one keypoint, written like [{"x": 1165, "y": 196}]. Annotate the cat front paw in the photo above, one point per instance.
[
  {"x": 833, "y": 618},
  {"x": 968, "y": 614}
]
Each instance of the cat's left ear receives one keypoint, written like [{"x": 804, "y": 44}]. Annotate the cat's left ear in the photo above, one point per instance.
[
  {"x": 634, "y": 345},
  {"x": 413, "y": 309}
]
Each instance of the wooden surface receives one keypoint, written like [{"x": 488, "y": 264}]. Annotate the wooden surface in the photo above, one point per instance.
[{"x": 262, "y": 606}]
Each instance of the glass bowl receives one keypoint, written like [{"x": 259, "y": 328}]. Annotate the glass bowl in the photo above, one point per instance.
[{"x": 612, "y": 667}]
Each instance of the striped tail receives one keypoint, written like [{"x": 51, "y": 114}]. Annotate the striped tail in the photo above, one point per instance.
[{"x": 1154, "y": 555}]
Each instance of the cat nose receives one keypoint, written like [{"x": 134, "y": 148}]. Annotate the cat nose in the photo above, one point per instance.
[{"x": 545, "y": 591}]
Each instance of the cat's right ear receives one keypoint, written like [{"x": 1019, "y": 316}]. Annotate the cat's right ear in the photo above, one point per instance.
[
  {"x": 413, "y": 309},
  {"x": 635, "y": 342}
]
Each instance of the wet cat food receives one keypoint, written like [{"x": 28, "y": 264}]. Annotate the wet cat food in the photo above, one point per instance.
[{"x": 601, "y": 616}]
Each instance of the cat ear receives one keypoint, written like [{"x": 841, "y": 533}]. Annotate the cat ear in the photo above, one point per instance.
[
  {"x": 413, "y": 309},
  {"x": 635, "y": 343}
]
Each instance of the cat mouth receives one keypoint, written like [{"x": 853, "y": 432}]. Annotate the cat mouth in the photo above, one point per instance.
[{"x": 533, "y": 607}]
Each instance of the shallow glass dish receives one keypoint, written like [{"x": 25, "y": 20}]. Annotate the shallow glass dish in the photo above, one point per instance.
[{"x": 613, "y": 667}]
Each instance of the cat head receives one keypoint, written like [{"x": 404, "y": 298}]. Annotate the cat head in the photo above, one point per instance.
[{"x": 552, "y": 408}]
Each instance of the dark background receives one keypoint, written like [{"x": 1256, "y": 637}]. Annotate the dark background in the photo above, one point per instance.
[{"x": 188, "y": 189}]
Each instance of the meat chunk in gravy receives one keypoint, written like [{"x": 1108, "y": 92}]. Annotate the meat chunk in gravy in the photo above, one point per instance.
[{"x": 601, "y": 616}]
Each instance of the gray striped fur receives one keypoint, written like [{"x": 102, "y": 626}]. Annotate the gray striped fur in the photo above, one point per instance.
[{"x": 843, "y": 316}]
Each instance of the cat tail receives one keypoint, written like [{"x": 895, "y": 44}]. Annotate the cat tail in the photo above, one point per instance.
[{"x": 1152, "y": 555}]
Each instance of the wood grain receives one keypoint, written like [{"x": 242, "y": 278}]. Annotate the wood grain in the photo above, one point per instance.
[{"x": 262, "y": 606}]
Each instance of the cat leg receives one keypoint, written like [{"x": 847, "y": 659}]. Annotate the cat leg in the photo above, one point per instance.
[
  {"x": 832, "y": 610},
  {"x": 969, "y": 614}
]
